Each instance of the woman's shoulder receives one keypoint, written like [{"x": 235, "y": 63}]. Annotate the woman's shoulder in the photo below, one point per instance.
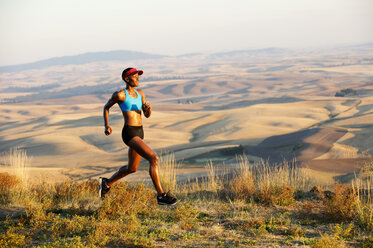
[{"x": 120, "y": 95}]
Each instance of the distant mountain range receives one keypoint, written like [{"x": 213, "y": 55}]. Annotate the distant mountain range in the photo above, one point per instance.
[
  {"x": 85, "y": 58},
  {"x": 124, "y": 55},
  {"x": 271, "y": 51}
]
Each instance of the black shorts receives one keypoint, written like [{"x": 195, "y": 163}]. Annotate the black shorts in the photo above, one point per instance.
[{"x": 128, "y": 132}]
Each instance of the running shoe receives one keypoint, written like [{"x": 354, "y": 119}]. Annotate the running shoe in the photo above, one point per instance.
[
  {"x": 104, "y": 188},
  {"x": 166, "y": 199}
]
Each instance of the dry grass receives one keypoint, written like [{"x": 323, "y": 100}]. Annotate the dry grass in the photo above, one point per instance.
[
  {"x": 168, "y": 171},
  {"x": 217, "y": 211},
  {"x": 19, "y": 161},
  {"x": 341, "y": 204},
  {"x": 285, "y": 174},
  {"x": 269, "y": 184},
  {"x": 124, "y": 200},
  {"x": 17, "y": 179},
  {"x": 7, "y": 184},
  {"x": 328, "y": 241},
  {"x": 275, "y": 195},
  {"x": 242, "y": 185},
  {"x": 363, "y": 188},
  {"x": 186, "y": 215}
]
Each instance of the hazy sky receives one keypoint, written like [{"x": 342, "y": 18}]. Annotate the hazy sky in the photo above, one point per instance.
[{"x": 38, "y": 29}]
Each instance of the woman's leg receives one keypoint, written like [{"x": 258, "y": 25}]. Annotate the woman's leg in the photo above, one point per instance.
[
  {"x": 133, "y": 163},
  {"x": 146, "y": 152}
]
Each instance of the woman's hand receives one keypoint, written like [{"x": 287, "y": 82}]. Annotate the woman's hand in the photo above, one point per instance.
[
  {"x": 147, "y": 108},
  {"x": 108, "y": 130}
]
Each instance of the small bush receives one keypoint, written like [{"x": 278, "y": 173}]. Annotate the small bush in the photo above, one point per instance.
[
  {"x": 242, "y": 186},
  {"x": 277, "y": 223},
  {"x": 7, "y": 185},
  {"x": 125, "y": 200},
  {"x": 161, "y": 234},
  {"x": 344, "y": 232},
  {"x": 255, "y": 226},
  {"x": 276, "y": 195},
  {"x": 309, "y": 209},
  {"x": 249, "y": 242},
  {"x": 186, "y": 215},
  {"x": 8, "y": 182},
  {"x": 75, "y": 242},
  {"x": 328, "y": 241},
  {"x": 12, "y": 239},
  {"x": 42, "y": 194},
  {"x": 341, "y": 205},
  {"x": 308, "y": 241},
  {"x": 295, "y": 232},
  {"x": 282, "y": 219},
  {"x": 365, "y": 217},
  {"x": 70, "y": 227},
  {"x": 103, "y": 232},
  {"x": 75, "y": 193},
  {"x": 362, "y": 185},
  {"x": 260, "y": 231}
]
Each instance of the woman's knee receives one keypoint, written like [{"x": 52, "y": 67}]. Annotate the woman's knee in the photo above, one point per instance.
[
  {"x": 131, "y": 170},
  {"x": 127, "y": 170},
  {"x": 154, "y": 159}
]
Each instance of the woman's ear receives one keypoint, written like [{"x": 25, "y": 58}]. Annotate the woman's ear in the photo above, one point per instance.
[{"x": 126, "y": 79}]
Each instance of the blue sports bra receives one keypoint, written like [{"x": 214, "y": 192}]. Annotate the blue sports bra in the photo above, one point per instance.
[{"x": 131, "y": 103}]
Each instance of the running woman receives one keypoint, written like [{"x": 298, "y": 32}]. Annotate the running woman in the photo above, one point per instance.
[{"x": 131, "y": 102}]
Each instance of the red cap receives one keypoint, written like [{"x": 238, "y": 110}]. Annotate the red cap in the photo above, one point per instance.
[{"x": 131, "y": 71}]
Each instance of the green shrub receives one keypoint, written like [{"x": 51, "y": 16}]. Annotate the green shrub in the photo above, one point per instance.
[
  {"x": 75, "y": 242},
  {"x": 255, "y": 226},
  {"x": 12, "y": 239},
  {"x": 328, "y": 241},
  {"x": 344, "y": 232},
  {"x": 295, "y": 232},
  {"x": 365, "y": 217}
]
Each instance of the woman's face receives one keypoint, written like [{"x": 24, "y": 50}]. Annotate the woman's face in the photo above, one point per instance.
[{"x": 133, "y": 80}]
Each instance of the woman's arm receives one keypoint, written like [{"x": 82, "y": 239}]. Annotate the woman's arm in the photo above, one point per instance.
[
  {"x": 113, "y": 100},
  {"x": 146, "y": 107}
]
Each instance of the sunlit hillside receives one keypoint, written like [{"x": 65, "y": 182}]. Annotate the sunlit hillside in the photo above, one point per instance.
[
  {"x": 271, "y": 104},
  {"x": 263, "y": 148}
]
